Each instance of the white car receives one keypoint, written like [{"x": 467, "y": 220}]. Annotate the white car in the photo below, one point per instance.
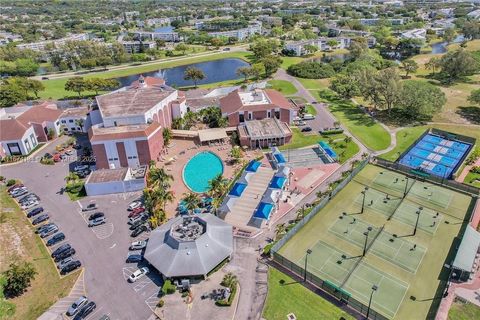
[
  {"x": 308, "y": 116},
  {"x": 297, "y": 119},
  {"x": 138, "y": 245},
  {"x": 138, "y": 274},
  {"x": 81, "y": 167},
  {"x": 30, "y": 204},
  {"x": 135, "y": 204}
]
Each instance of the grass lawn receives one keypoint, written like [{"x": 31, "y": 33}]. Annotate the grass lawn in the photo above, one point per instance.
[
  {"x": 314, "y": 84},
  {"x": 310, "y": 109},
  {"x": 292, "y": 297},
  {"x": 288, "y": 61},
  {"x": 472, "y": 179},
  {"x": 54, "y": 88},
  {"x": 19, "y": 242},
  {"x": 463, "y": 311},
  {"x": 283, "y": 86},
  {"x": 407, "y": 136},
  {"x": 364, "y": 128},
  {"x": 74, "y": 196},
  {"x": 344, "y": 150}
]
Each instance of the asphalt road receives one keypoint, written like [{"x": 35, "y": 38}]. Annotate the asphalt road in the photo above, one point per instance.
[{"x": 102, "y": 250}]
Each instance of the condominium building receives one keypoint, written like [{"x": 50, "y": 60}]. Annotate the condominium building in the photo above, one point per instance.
[
  {"x": 170, "y": 36},
  {"x": 137, "y": 46},
  {"x": 40, "y": 46},
  {"x": 325, "y": 43},
  {"x": 240, "y": 34}
]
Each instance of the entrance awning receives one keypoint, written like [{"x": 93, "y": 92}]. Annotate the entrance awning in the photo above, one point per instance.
[{"x": 212, "y": 134}]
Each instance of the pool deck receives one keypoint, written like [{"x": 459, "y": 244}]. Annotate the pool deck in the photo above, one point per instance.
[{"x": 182, "y": 151}]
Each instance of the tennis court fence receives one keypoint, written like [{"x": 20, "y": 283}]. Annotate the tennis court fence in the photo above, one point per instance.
[
  {"x": 451, "y": 184},
  {"x": 327, "y": 287},
  {"x": 319, "y": 206}
]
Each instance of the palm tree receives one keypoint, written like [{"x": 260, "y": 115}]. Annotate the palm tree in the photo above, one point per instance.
[
  {"x": 280, "y": 229},
  {"x": 229, "y": 280},
  {"x": 194, "y": 74},
  {"x": 158, "y": 177},
  {"x": 166, "y": 196},
  {"x": 167, "y": 136},
  {"x": 80, "y": 123},
  {"x": 191, "y": 200},
  {"x": 217, "y": 186},
  {"x": 216, "y": 202},
  {"x": 347, "y": 139},
  {"x": 72, "y": 176}
]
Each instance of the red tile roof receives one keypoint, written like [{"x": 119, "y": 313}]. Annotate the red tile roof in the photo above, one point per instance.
[
  {"x": 232, "y": 102},
  {"x": 40, "y": 113},
  {"x": 12, "y": 129}
]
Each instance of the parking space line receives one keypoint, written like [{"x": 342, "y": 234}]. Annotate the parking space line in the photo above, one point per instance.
[
  {"x": 90, "y": 316},
  {"x": 152, "y": 301}
]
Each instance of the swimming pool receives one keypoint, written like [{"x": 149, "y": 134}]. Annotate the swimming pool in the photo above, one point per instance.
[{"x": 199, "y": 170}]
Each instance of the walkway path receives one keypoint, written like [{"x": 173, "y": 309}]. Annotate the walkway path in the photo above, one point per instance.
[
  {"x": 466, "y": 170},
  {"x": 56, "y": 311}
]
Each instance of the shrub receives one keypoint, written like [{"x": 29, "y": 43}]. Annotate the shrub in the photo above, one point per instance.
[
  {"x": 2, "y": 178},
  {"x": 47, "y": 161},
  {"x": 475, "y": 169},
  {"x": 311, "y": 70},
  {"x": 18, "y": 278},
  {"x": 168, "y": 287},
  {"x": 160, "y": 303},
  {"x": 10, "y": 182},
  {"x": 331, "y": 131},
  {"x": 267, "y": 248}
]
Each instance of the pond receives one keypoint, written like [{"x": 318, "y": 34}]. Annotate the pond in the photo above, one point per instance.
[
  {"x": 215, "y": 71},
  {"x": 441, "y": 47}
]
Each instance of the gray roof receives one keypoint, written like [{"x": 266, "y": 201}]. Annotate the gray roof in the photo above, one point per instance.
[
  {"x": 468, "y": 249},
  {"x": 175, "y": 258}
]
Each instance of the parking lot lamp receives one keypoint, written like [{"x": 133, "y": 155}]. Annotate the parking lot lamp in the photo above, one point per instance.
[
  {"x": 374, "y": 288},
  {"x": 366, "y": 240}
]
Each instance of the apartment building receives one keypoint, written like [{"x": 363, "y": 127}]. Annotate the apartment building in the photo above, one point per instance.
[
  {"x": 40, "y": 46},
  {"x": 137, "y": 46},
  {"x": 170, "y": 36},
  {"x": 240, "y": 34},
  {"x": 127, "y": 128},
  {"x": 323, "y": 43}
]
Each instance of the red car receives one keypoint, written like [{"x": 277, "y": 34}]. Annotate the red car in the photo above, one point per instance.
[
  {"x": 57, "y": 157},
  {"x": 135, "y": 212}
]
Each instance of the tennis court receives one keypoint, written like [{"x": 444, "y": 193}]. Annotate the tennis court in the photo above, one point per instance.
[
  {"x": 401, "y": 260},
  {"x": 398, "y": 251},
  {"x": 436, "y": 155},
  {"x": 356, "y": 278}
]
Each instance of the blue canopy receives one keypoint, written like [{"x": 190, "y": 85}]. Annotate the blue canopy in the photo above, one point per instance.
[
  {"x": 263, "y": 211},
  {"x": 328, "y": 149},
  {"x": 280, "y": 158},
  {"x": 253, "y": 166},
  {"x": 277, "y": 182},
  {"x": 237, "y": 189}
]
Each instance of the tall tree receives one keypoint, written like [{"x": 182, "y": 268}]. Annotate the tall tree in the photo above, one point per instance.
[
  {"x": 409, "y": 66},
  {"x": 271, "y": 64},
  {"x": 420, "y": 100},
  {"x": 245, "y": 72},
  {"x": 76, "y": 84},
  {"x": 346, "y": 86},
  {"x": 18, "y": 278},
  {"x": 433, "y": 64},
  {"x": 458, "y": 64},
  {"x": 194, "y": 74},
  {"x": 448, "y": 35},
  {"x": 474, "y": 97}
]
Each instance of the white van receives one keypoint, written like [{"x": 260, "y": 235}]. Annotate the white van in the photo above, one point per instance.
[{"x": 308, "y": 116}]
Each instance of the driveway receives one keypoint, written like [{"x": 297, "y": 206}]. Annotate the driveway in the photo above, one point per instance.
[{"x": 102, "y": 250}]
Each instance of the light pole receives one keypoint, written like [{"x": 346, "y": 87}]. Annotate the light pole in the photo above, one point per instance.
[
  {"x": 306, "y": 260},
  {"x": 406, "y": 186},
  {"x": 418, "y": 218},
  {"x": 374, "y": 288},
  {"x": 364, "y": 192},
  {"x": 366, "y": 240}
]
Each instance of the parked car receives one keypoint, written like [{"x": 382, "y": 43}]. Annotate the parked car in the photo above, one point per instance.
[
  {"x": 19, "y": 192},
  {"x": 306, "y": 129},
  {"x": 133, "y": 205},
  {"x": 300, "y": 123},
  {"x": 42, "y": 227},
  {"x": 134, "y": 257},
  {"x": 56, "y": 239},
  {"x": 135, "y": 212},
  {"x": 70, "y": 267},
  {"x": 40, "y": 219},
  {"x": 297, "y": 119},
  {"x": 104, "y": 317},
  {"x": 30, "y": 204},
  {"x": 96, "y": 215},
  {"x": 83, "y": 174},
  {"x": 85, "y": 311},
  {"x": 80, "y": 167},
  {"x": 90, "y": 207},
  {"x": 34, "y": 212},
  {"x": 137, "y": 220},
  {"x": 57, "y": 157},
  {"x": 136, "y": 224},
  {"x": 308, "y": 116},
  {"x": 30, "y": 196},
  {"x": 45, "y": 78},
  {"x": 14, "y": 187},
  {"x": 138, "y": 231},
  {"x": 65, "y": 254},
  {"x": 47, "y": 156},
  {"x": 64, "y": 262},
  {"x": 62, "y": 248},
  {"x": 138, "y": 274},
  {"x": 97, "y": 222},
  {"x": 138, "y": 245},
  {"x": 49, "y": 231},
  {"x": 77, "y": 305}
]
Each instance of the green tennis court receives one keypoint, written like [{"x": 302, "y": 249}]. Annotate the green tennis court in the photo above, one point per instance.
[
  {"x": 398, "y": 251},
  {"x": 390, "y": 290},
  {"x": 432, "y": 194},
  {"x": 377, "y": 201},
  {"x": 390, "y": 180},
  {"x": 428, "y": 219}
]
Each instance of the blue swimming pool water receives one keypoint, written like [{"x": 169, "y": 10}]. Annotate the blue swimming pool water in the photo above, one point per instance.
[
  {"x": 436, "y": 155},
  {"x": 199, "y": 170}
]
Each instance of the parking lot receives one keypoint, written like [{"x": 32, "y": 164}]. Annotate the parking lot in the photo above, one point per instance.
[{"x": 102, "y": 250}]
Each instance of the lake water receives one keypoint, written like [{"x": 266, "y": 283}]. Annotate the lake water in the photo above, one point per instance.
[
  {"x": 215, "y": 71},
  {"x": 441, "y": 47}
]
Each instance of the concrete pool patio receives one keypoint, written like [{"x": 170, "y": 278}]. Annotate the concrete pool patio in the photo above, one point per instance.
[{"x": 181, "y": 151}]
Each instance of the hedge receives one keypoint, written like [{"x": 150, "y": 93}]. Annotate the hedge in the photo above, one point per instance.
[
  {"x": 168, "y": 287},
  {"x": 227, "y": 303},
  {"x": 311, "y": 70}
]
